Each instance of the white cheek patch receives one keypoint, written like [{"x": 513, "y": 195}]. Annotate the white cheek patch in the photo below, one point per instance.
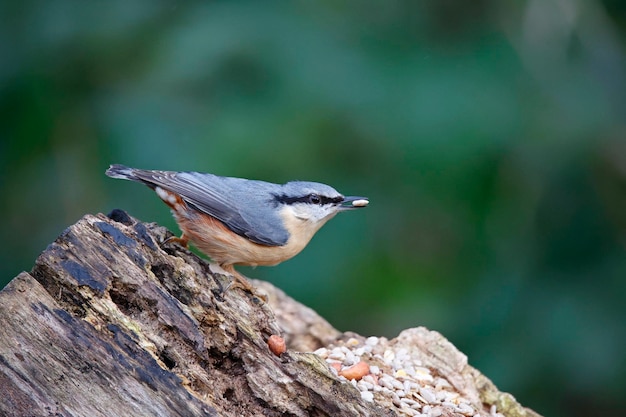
[
  {"x": 293, "y": 212},
  {"x": 360, "y": 203}
]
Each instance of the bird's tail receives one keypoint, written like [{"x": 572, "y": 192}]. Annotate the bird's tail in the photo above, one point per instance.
[
  {"x": 143, "y": 176},
  {"x": 122, "y": 172}
]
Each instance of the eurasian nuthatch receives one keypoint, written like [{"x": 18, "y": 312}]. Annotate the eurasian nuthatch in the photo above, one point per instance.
[{"x": 236, "y": 221}]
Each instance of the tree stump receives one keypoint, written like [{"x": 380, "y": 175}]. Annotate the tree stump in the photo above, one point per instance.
[{"x": 111, "y": 322}]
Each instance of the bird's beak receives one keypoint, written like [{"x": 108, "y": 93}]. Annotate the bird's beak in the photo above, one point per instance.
[{"x": 349, "y": 203}]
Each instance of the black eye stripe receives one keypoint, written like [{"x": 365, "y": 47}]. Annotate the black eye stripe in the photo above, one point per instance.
[
  {"x": 329, "y": 200},
  {"x": 307, "y": 199},
  {"x": 314, "y": 199}
]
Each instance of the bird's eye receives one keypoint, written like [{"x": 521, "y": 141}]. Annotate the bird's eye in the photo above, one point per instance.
[{"x": 314, "y": 199}]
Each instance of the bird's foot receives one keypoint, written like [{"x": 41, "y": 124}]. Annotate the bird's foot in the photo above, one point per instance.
[
  {"x": 240, "y": 281},
  {"x": 182, "y": 240}
]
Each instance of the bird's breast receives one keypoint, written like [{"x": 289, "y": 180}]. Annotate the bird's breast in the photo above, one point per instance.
[{"x": 226, "y": 247}]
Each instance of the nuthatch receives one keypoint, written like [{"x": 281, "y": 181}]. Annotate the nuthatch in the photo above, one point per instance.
[{"x": 236, "y": 221}]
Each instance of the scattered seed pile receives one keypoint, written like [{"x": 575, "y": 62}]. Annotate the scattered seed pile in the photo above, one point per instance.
[{"x": 394, "y": 376}]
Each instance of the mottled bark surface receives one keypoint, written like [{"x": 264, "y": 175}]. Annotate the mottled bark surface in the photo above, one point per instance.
[{"x": 111, "y": 323}]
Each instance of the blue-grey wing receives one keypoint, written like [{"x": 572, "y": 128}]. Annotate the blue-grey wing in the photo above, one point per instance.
[{"x": 244, "y": 206}]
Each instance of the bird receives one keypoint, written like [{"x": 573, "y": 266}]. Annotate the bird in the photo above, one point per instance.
[{"x": 237, "y": 221}]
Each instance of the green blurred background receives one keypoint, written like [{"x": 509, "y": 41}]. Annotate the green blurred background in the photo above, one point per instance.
[{"x": 490, "y": 137}]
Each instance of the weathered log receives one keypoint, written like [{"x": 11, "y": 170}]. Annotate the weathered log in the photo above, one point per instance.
[{"x": 111, "y": 322}]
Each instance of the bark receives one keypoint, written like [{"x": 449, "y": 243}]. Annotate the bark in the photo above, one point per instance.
[{"x": 112, "y": 322}]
